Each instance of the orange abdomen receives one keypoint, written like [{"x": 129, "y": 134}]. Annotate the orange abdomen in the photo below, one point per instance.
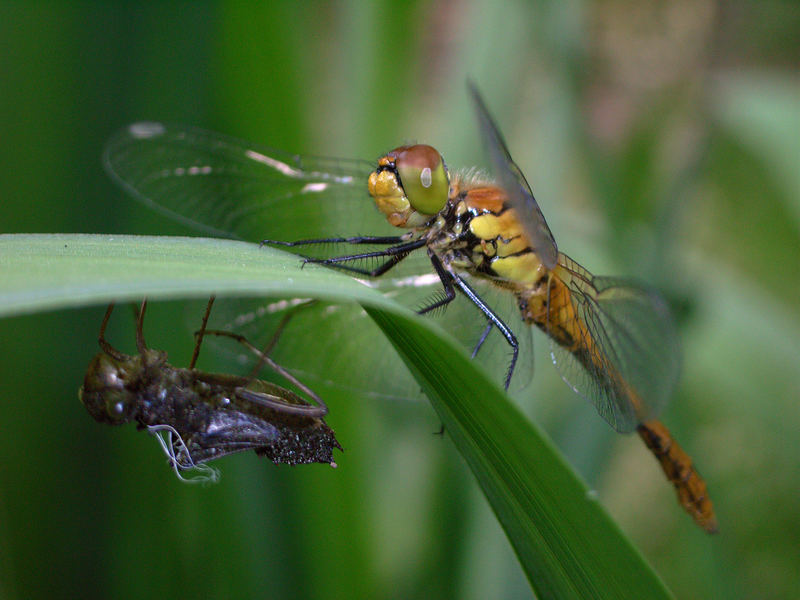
[
  {"x": 677, "y": 466},
  {"x": 551, "y": 308}
]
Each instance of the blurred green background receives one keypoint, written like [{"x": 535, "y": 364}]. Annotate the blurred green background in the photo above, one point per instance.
[{"x": 661, "y": 141}]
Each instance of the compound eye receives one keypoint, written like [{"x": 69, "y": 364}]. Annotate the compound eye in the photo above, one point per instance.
[{"x": 423, "y": 177}]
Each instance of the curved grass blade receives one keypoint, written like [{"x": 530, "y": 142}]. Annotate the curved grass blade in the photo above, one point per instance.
[{"x": 566, "y": 542}]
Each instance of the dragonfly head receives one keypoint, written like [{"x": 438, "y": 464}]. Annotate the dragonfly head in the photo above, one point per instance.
[
  {"x": 410, "y": 185},
  {"x": 109, "y": 388}
]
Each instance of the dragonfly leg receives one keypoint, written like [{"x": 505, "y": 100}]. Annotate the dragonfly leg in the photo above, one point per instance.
[
  {"x": 101, "y": 337},
  {"x": 484, "y": 335},
  {"x": 366, "y": 239},
  {"x": 447, "y": 284},
  {"x": 279, "y": 404},
  {"x": 140, "y": 344},
  {"x": 279, "y": 331},
  {"x": 312, "y": 411},
  {"x": 336, "y": 263},
  {"x": 199, "y": 334},
  {"x": 394, "y": 255},
  {"x": 495, "y": 321}
]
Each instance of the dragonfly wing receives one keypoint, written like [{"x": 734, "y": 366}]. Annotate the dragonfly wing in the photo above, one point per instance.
[
  {"x": 190, "y": 448},
  {"x": 227, "y": 187},
  {"x": 511, "y": 179},
  {"x": 225, "y": 444},
  {"x": 633, "y": 347},
  {"x": 328, "y": 347},
  {"x": 337, "y": 346}
]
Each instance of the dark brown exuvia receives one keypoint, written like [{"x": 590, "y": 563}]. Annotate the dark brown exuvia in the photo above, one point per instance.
[{"x": 197, "y": 416}]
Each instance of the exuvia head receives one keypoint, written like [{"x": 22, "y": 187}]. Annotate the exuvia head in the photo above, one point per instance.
[
  {"x": 109, "y": 388},
  {"x": 410, "y": 185},
  {"x": 108, "y": 391}
]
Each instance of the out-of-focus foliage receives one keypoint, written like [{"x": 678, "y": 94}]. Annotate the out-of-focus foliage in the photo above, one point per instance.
[{"x": 661, "y": 142}]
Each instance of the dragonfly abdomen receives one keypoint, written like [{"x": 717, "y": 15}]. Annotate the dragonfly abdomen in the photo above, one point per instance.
[
  {"x": 677, "y": 465},
  {"x": 550, "y": 306},
  {"x": 551, "y": 309}
]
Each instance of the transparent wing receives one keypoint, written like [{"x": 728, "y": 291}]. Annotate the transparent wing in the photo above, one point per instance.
[
  {"x": 236, "y": 189},
  {"x": 337, "y": 346},
  {"x": 511, "y": 179},
  {"x": 628, "y": 359},
  {"x": 230, "y": 440}
]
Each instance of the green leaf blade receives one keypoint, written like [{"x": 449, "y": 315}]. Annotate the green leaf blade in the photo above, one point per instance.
[
  {"x": 49, "y": 271},
  {"x": 565, "y": 541}
]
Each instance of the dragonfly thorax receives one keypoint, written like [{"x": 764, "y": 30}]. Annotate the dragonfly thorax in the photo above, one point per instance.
[{"x": 479, "y": 233}]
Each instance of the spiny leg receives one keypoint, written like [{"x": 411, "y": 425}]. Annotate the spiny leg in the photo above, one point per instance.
[
  {"x": 364, "y": 239},
  {"x": 448, "y": 279},
  {"x": 394, "y": 256},
  {"x": 495, "y": 321},
  {"x": 447, "y": 284},
  {"x": 380, "y": 270}
]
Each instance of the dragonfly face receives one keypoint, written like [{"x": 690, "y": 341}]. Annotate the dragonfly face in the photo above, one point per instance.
[
  {"x": 467, "y": 222},
  {"x": 613, "y": 341},
  {"x": 410, "y": 185}
]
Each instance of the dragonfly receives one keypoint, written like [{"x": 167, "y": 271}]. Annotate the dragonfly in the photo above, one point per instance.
[
  {"x": 613, "y": 340},
  {"x": 198, "y": 417}
]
